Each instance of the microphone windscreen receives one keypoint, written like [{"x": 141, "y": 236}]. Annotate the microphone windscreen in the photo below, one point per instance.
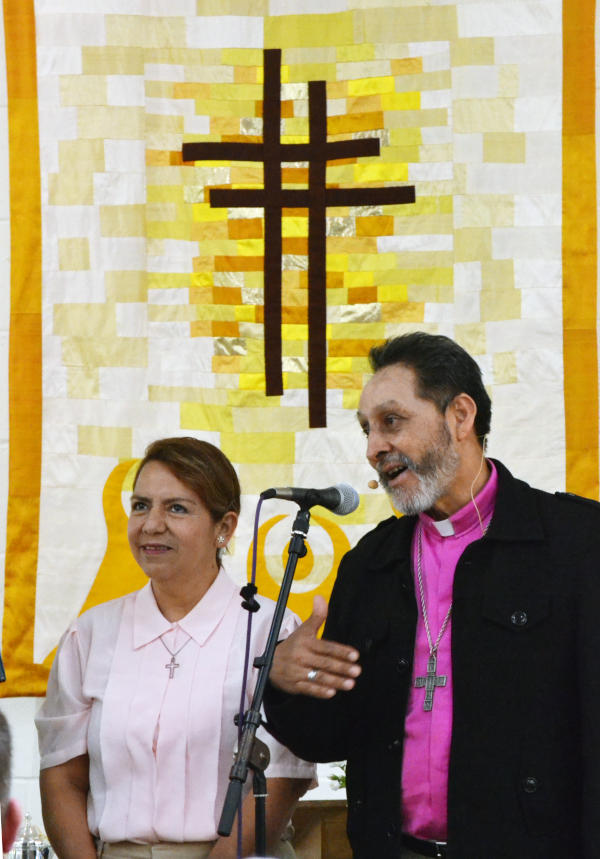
[{"x": 349, "y": 499}]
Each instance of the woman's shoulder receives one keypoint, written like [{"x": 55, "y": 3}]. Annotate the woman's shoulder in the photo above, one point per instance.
[{"x": 102, "y": 617}]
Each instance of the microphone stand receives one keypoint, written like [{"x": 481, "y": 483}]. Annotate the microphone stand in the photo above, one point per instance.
[{"x": 253, "y": 753}]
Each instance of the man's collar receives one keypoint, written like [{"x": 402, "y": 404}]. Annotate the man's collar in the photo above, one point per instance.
[
  {"x": 470, "y": 516},
  {"x": 516, "y": 517}
]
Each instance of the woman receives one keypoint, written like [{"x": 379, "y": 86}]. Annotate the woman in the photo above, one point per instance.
[{"x": 136, "y": 733}]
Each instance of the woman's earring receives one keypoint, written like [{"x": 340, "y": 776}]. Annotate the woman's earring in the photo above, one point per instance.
[{"x": 220, "y": 539}]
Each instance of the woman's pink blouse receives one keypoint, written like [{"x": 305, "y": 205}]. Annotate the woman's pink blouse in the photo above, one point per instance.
[{"x": 160, "y": 747}]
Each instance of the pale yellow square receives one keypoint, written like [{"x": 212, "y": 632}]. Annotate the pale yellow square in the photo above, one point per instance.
[
  {"x": 71, "y": 188},
  {"x": 504, "y": 147},
  {"x": 500, "y": 303},
  {"x": 81, "y": 155},
  {"x": 497, "y": 273},
  {"x": 508, "y": 81},
  {"x": 83, "y": 383},
  {"x": 259, "y": 447},
  {"x": 74, "y": 254},
  {"x": 88, "y": 320},
  {"x": 76, "y": 90},
  {"x": 472, "y": 52},
  {"x": 105, "y": 441},
  {"x": 123, "y": 220},
  {"x": 505, "y": 368},
  {"x": 483, "y": 114},
  {"x": 473, "y": 244},
  {"x": 471, "y": 336}
]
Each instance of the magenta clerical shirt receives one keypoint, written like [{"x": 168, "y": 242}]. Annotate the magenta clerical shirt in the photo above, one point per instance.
[{"x": 427, "y": 734}]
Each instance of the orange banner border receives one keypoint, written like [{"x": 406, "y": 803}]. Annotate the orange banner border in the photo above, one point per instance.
[
  {"x": 25, "y": 354},
  {"x": 579, "y": 240}
]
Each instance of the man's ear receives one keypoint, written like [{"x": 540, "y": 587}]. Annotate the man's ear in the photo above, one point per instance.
[
  {"x": 461, "y": 411},
  {"x": 10, "y": 824}
]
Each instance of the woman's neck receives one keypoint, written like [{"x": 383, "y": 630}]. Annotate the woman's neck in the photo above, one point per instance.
[{"x": 175, "y": 602}]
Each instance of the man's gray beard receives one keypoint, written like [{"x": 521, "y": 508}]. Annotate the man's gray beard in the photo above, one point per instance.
[{"x": 436, "y": 471}]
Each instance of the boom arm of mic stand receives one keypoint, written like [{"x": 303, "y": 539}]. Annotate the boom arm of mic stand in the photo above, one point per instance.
[{"x": 245, "y": 757}]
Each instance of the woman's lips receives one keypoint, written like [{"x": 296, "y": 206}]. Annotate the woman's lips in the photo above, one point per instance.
[{"x": 154, "y": 548}]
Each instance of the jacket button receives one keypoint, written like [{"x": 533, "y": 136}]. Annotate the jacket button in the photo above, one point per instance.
[
  {"x": 402, "y": 665},
  {"x": 519, "y": 618},
  {"x": 392, "y": 832},
  {"x": 530, "y": 784},
  {"x": 367, "y": 645},
  {"x": 395, "y": 745},
  {"x": 357, "y": 804}
]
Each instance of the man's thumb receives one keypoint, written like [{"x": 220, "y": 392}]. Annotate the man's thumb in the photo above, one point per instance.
[{"x": 319, "y": 614}]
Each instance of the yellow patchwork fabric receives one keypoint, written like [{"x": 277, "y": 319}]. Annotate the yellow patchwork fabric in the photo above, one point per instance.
[{"x": 148, "y": 313}]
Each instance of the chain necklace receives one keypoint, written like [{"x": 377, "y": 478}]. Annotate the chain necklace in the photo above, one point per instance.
[
  {"x": 172, "y": 665},
  {"x": 432, "y": 678}
]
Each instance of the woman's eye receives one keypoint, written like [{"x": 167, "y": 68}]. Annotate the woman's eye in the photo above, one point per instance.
[
  {"x": 178, "y": 508},
  {"x": 138, "y": 506}
]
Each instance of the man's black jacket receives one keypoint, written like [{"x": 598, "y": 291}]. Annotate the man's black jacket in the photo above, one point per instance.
[{"x": 524, "y": 775}]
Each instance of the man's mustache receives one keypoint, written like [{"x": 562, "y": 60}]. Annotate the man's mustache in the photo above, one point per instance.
[{"x": 390, "y": 461}]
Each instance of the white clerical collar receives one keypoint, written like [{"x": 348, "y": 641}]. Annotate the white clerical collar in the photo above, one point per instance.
[{"x": 444, "y": 527}]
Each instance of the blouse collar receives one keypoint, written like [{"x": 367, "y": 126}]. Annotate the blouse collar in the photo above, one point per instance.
[{"x": 149, "y": 623}]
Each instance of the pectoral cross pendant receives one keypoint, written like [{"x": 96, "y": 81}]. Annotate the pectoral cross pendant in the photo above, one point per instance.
[
  {"x": 172, "y": 665},
  {"x": 430, "y": 681}
]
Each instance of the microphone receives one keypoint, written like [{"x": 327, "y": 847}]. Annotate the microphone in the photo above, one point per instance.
[{"x": 340, "y": 499}]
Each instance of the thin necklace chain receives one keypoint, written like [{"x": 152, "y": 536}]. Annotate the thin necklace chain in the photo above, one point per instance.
[
  {"x": 174, "y": 654},
  {"x": 432, "y": 647}
]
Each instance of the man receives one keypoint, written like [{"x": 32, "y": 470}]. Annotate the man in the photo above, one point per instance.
[
  {"x": 10, "y": 816},
  {"x": 459, "y": 669}
]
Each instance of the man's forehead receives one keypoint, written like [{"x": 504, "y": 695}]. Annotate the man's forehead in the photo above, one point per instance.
[
  {"x": 377, "y": 406},
  {"x": 392, "y": 383}
]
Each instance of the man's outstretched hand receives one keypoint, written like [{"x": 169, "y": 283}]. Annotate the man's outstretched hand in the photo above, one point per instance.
[{"x": 333, "y": 667}]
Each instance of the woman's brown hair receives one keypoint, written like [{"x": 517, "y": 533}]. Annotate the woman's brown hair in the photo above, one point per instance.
[{"x": 202, "y": 467}]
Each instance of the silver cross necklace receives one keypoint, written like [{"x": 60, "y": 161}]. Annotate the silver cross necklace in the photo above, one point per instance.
[
  {"x": 172, "y": 665},
  {"x": 432, "y": 678}
]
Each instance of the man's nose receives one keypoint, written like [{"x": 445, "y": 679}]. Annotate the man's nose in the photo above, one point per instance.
[{"x": 377, "y": 445}]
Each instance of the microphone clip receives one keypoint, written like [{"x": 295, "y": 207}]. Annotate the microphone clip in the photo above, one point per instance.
[{"x": 248, "y": 592}]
